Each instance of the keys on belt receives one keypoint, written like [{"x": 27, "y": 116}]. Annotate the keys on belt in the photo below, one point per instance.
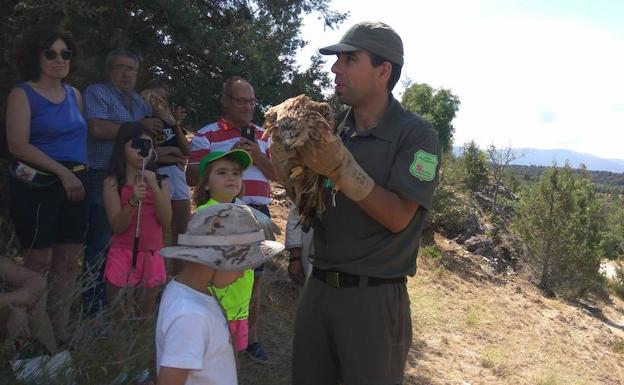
[{"x": 338, "y": 279}]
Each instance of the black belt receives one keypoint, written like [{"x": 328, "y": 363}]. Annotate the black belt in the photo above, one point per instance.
[{"x": 338, "y": 279}]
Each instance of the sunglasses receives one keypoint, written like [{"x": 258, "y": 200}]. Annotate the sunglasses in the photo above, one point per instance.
[{"x": 51, "y": 54}]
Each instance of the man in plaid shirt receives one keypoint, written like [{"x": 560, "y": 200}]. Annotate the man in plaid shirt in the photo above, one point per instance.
[{"x": 107, "y": 106}]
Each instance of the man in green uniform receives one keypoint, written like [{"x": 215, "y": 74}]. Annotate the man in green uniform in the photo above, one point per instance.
[{"x": 353, "y": 323}]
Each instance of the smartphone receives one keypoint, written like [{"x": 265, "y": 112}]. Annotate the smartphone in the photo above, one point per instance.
[
  {"x": 143, "y": 145},
  {"x": 249, "y": 133}
]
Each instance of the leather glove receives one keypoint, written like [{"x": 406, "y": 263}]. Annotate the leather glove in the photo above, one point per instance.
[{"x": 333, "y": 160}]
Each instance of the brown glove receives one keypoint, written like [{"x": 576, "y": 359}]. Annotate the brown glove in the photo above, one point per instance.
[{"x": 333, "y": 160}]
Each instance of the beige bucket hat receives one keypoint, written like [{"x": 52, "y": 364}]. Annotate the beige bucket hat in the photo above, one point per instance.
[{"x": 224, "y": 236}]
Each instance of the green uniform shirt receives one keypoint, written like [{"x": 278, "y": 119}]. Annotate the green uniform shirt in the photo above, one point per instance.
[
  {"x": 402, "y": 155},
  {"x": 235, "y": 297}
]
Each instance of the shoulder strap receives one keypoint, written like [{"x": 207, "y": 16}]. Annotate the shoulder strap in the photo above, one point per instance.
[
  {"x": 30, "y": 93},
  {"x": 70, "y": 93}
]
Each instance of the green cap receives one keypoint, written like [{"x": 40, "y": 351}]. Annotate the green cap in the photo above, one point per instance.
[
  {"x": 374, "y": 37},
  {"x": 242, "y": 157}
]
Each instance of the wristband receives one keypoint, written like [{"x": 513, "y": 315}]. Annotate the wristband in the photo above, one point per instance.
[{"x": 136, "y": 202}]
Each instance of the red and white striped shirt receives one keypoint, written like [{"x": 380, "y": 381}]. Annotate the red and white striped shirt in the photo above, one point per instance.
[{"x": 220, "y": 136}]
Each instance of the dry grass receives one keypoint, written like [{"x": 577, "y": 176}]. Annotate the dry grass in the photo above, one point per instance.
[
  {"x": 96, "y": 358},
  {"x": 275, "y": 329},
  {"x": 487, "y": 330}
]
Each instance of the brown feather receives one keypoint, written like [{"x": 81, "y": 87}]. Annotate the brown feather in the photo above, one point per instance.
[{"x": 301, "y": 122}]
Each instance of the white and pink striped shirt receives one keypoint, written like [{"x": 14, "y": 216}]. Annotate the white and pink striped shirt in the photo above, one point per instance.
[{"x": 220, "y": 136}]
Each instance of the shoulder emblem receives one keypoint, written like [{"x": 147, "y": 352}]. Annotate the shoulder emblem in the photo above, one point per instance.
[{"x": 424, "y": 166}]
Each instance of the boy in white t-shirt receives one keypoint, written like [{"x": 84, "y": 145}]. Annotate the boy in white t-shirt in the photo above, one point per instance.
[{"x": 192, "y": 337}]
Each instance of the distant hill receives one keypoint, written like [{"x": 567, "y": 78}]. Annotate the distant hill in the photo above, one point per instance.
[
  {"x": 605, "y": 181},
  {"x": 536, "y": 157}
]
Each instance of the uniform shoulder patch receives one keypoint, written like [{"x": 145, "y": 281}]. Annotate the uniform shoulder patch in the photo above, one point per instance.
[{"x": 424, "y": 165}]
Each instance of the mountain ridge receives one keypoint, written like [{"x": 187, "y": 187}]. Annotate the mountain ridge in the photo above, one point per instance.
[{"x": 548, "y": 157}]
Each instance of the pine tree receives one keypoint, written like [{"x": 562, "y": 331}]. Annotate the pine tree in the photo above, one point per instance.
[
  {"x": 559, "y": 224},
  {"x": 474, "y": 164}
]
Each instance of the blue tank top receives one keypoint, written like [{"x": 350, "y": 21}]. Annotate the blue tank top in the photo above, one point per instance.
[{"x": 58, "y": 130}]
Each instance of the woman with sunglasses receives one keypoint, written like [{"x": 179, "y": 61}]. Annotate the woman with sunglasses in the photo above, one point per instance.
[{"x": 47, "y": 137}]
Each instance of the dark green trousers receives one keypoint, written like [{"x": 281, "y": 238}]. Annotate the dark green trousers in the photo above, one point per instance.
[{"x": 353, "y": 335}]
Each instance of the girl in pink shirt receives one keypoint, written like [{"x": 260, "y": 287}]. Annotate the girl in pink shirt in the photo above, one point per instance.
[{"x": 124, "y": 189}]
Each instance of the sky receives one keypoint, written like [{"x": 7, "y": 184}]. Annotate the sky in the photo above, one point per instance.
[{"x": 542, "y": 74}]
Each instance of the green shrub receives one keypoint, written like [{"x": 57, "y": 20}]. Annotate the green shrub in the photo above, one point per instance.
[
  {"x": 559, "y": 224},
  {"x": 451, "y": 211},
  {"x": 432, "y": 254},
  {"x": 473, "y": 163},
  {"x": 472, "y": 318},
  {"x": 617, "y": 284}
]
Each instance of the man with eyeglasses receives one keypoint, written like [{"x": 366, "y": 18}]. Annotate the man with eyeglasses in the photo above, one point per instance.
[
  {"x": 107, "y": 106},
  {"x": 353, "y": 322},
  {"x": 235, "y": 130}
]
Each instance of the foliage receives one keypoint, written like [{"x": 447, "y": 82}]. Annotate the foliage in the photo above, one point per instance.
[
  {"x": 196, "y": 44},
  {"x": 499, "y": 160},
  {"x": 559, "y": 224},
  {"x": 617, "y": 283},
  {"x": 474, "y": 164},
  {"x": 451, "y": 208},
  {"x": 512, "y": 182},
  {"x": 451, "y": 171},
  {"x": 438, "y": 106},
  {"x": 612, "y": 220},
  {"x": 432, "y": 253},
  {"x": 472, "y": 318},
  {"x": 605, "y": 181}
]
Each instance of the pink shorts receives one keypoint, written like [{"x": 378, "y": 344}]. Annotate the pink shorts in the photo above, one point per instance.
[
  {"x": 149, "y": 271},
  {"x": 240, "y": 334}
]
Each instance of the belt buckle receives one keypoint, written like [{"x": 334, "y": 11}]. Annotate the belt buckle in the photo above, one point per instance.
[{"x": 332, "y": 278}]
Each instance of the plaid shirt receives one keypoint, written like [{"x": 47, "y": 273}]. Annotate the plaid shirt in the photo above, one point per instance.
[{"x": 105, "y": 101}]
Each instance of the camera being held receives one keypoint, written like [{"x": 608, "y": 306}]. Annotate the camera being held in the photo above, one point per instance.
[{"x": 143, "y": 145}]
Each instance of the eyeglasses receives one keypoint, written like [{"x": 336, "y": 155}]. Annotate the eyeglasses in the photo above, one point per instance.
[
  {"x": 242, "y": 101},
  {"x": 51, "y": 54},
  {"x": 124, "y": 68}
]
